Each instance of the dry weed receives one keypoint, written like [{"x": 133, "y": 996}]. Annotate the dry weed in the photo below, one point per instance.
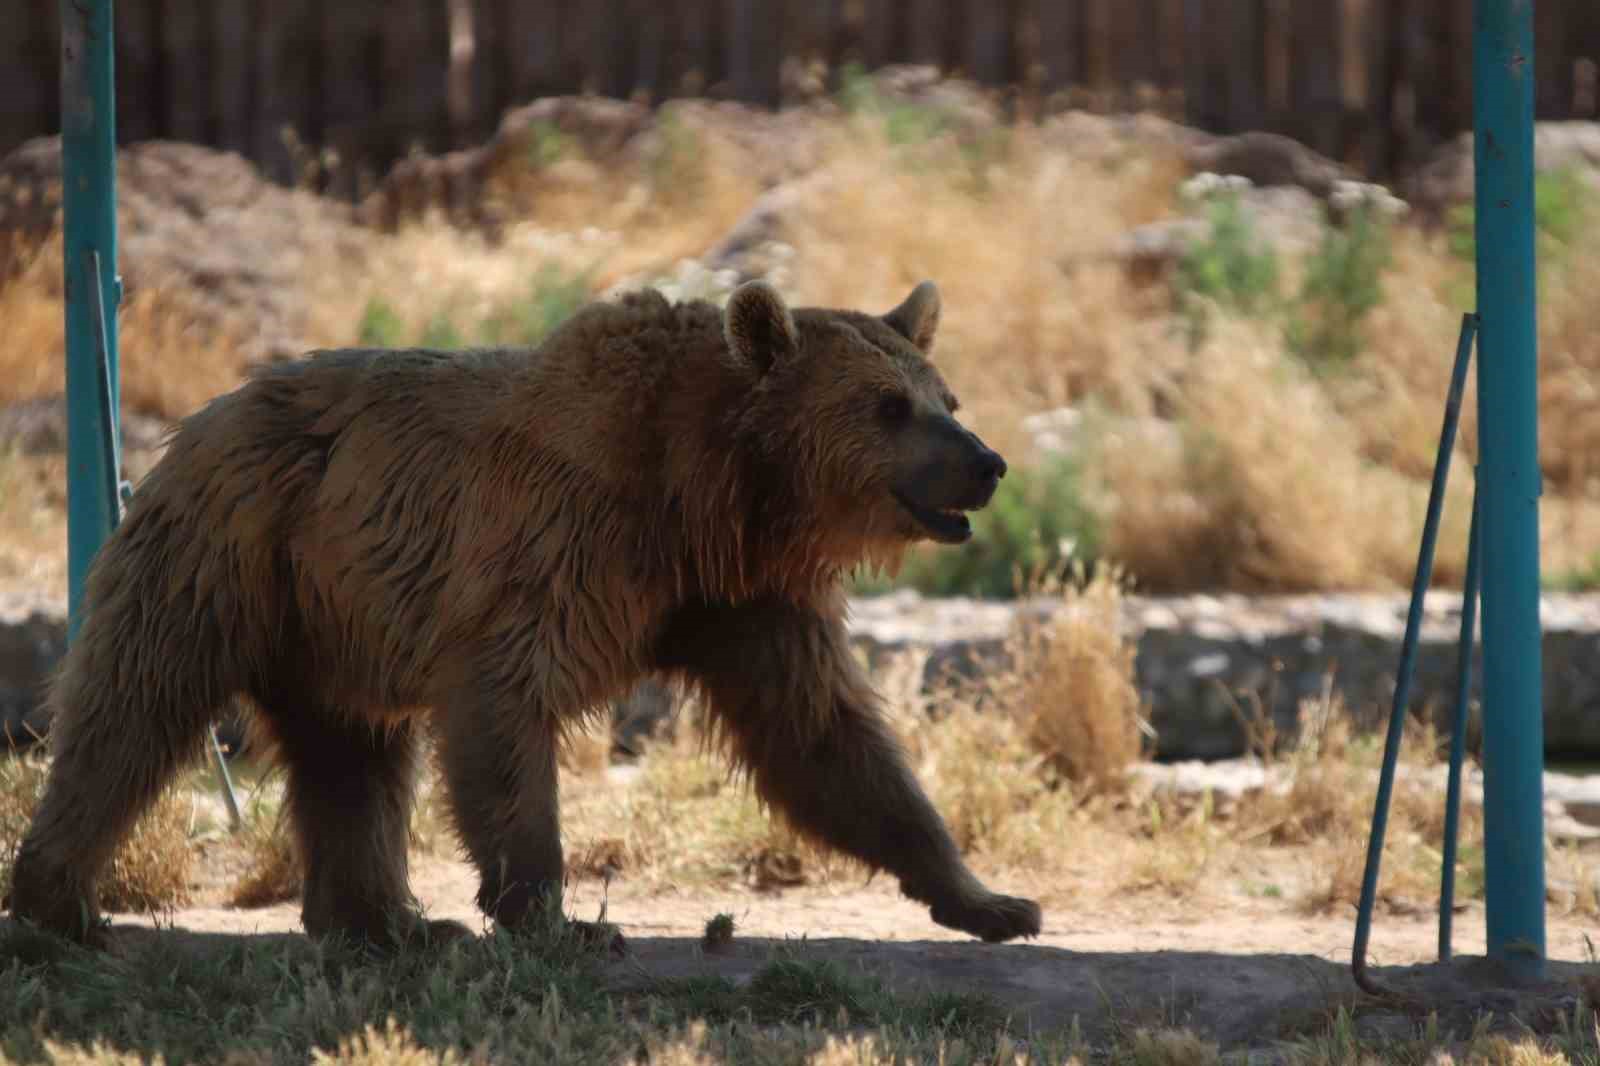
[
  {"x": 1072, "y": 684},
  {"x": 274, "y": 873},
  {"x": 688, "y": 819},
  {"x": 149, "y": 872},
  {"x": 393, "y": 1045},
  {"x": 33, "y": 527},
  {"x": 1320, "y": 798},
  {"x": 1022, "y": 291},
  {"x": 168, "y": 362},
  {"x": 1260, "y": 487}
]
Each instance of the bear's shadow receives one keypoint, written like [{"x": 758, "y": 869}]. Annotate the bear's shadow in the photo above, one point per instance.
[{"x": 1237, "y": 1000}]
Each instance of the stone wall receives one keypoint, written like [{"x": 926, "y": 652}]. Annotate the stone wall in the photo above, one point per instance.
[{"x": 1200, "y": 658}]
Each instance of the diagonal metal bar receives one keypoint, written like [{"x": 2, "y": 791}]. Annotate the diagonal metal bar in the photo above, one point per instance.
[
  {"x": 1408, "y": 651},
  {"x": 118, "y": 492}
]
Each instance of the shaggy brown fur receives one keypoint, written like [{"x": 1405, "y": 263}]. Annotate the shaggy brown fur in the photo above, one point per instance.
[{"x": 493, "y": 543}]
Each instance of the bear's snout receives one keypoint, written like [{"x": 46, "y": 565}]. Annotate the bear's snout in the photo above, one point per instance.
[{"x": 990, "y": 467}]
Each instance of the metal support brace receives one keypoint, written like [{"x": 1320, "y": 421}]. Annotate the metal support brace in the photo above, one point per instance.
[
  {"x": 1408, "y": 651},
  {"x": 121, "y": 491}
]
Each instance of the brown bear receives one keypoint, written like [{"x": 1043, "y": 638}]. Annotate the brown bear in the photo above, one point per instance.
[{"x": 492, "y": 543}]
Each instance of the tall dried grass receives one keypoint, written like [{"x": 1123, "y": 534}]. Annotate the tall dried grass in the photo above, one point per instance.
[
  {"x": 151, "y": 870},
  {"x": 168, "y": 363}
]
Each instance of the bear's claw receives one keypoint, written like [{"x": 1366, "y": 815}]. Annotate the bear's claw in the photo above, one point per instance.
[{"x": 993, "y": 919}]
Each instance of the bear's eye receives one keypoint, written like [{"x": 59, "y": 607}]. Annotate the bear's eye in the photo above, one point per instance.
[{"x": 894, "y": 408}]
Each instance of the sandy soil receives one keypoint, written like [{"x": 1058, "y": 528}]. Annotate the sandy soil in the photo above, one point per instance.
[{"x": 1245, "y": 972}]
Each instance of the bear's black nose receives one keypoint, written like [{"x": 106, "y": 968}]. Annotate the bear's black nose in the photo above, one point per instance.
[{"x": 991, "y": 467}]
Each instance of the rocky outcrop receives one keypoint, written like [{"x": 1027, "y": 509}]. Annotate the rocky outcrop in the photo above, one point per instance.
[
  {"x": 1446, "y": 179},
  {"x": 1204, "y": 663},
  {"x": 205, "y": 222}
]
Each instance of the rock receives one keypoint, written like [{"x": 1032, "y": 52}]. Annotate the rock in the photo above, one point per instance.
[
  {"x": 1210, "y": 669},
  {"x": 1446, "y": 178},
  {"x": 1114, "y": 140},
  {"x": 456, "y": 183},
  {"x": 39, "y": 426},
  {"x": 31, "y": 643},
  {"x": 1269, "y": 159},
  {"x": 205, "y": 222}
]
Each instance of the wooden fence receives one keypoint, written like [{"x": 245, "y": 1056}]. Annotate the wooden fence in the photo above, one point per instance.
[{"x": 1374, "y": 82}]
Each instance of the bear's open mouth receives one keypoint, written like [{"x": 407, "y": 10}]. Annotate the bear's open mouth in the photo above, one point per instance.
[{"x": 948, "y": 525}]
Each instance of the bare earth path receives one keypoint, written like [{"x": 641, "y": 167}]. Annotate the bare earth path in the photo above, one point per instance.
[{"x": 1245, "y": 972}]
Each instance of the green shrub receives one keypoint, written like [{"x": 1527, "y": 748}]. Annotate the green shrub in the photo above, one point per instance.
[
  {"x": 914, "y": 125},
  {"x": 552, "y": 296},
  {"x": 381, "y": 326},
  {"x": 1343, "y": 283},
  {"x": 1582, "y": 578},
  {"x": 1230, "y": 268},
  {"x": 441, "y": 332},
  {"x": 1563, "y": 205},
  {"x": 547, "y": 144}
]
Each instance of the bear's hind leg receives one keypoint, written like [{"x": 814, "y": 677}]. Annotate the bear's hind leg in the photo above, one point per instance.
[
  {"x": 111, "y": 760},
  {"x": 350, "y": 792}
]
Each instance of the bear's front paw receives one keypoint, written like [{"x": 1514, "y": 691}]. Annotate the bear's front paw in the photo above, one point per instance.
[{"x": 992, "y": 918}]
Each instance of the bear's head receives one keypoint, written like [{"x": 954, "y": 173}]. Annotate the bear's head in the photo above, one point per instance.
[{"x": 860, "y": 423}]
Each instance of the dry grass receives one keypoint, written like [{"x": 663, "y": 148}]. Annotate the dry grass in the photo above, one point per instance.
[
  {"x": 1074, "y": 687},
  {"x": 152, "y": 869},
  {"x": 168, "y": 363},
  {"x": 1259, "y": 485},
  {"x": 1229, "y": 467},
  {"x": 273, "y": 873}
]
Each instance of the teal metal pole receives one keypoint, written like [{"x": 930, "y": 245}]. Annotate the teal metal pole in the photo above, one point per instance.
[
  {"x": 1508, "y": 416},
  {"x": 89, "y": 179}
]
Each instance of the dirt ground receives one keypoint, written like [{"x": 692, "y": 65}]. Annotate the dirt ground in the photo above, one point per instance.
[{"x": 1245, "y": 973}]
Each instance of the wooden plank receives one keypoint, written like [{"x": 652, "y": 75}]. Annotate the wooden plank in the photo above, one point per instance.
[
  {"x": 1383, "y": 38},
  {"x": 414, "y": 63},
  {"x": 754, "y": 52},
  {"x": 491, "y": 63},
  {"x": 1586, "y": 45},
  {"x": 989, "y": 49},
  {"x": 607, "y": 48},
  {"x": 351, "y": 96},
  {"x": 1204, "y": 104},
  {"x": 1553, "y": 60},
  {"x": 1316, "y": 99},
  {"x": 47, "y": 65},
  {"x": 883, "y": 31},
  {"x": 697, "y": 53},
  {"x": 1061, "y": 32},
  {"x": 186, "y": 69},
  {"x": 543, "y": 41},
  {"x": 652, "y": 48},
  {"x": 1425, "y": 76},
  {"x": 288, "y": 51},
  {"x": 1245, "y": 67},
  {"x": 138, "y": 68},
  {"x": 1456, "y": 114},
  {"x": 27, "y": 75},
  {"x": 233, "y": 73},
  {"x": 1169, "y": 16},
  {"x": 1131, "y": 28},
  {"x": 928, "y": 30}
]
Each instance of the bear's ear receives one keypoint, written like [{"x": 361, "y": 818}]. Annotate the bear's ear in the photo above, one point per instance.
[
  {"x": 917, "y": 319},
  {"x": 758, "y": 326}
]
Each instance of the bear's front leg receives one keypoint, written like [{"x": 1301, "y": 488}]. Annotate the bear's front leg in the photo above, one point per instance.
[
  {"x": 499, "y": 763},
  {"x": 799, "y": 711}
]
